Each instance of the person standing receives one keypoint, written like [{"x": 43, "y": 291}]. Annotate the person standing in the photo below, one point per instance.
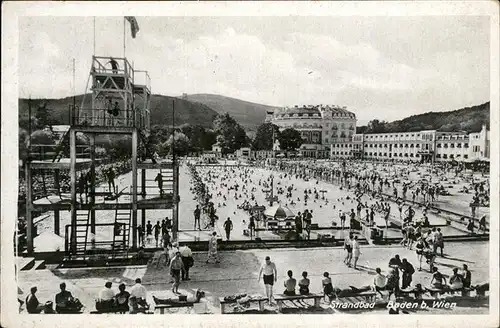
[
  {"x": 212, "y": 249},
  {"x": 197, "y": 213},
  {"x": 149, "y": 232},
  {"x": 348, "y": 248},
  {"x": 438, "y": 241},
  {"x": 408, "y": 271},
  {"x": 159, "y": 180},
  {"x": 355, "y": 251},
  {"x": 187, "y": 260},
  {"x": 176, "y": 266},
  {"x": 228, "y": 226},
  {"x": 270, "y": 276},
  {"x": 111, "y": 180},
  {"x": 342, "y": 219},
  {"x": 157, "y": 229}
]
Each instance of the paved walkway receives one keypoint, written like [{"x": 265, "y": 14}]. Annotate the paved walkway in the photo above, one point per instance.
[{"x": 238, "y": 270}]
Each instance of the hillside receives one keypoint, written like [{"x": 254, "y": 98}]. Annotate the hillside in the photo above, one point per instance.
[
  {"x": 161, "y": 110},
  {"x": 248, "y": 114},
  {"x": 469, "y": 119}
]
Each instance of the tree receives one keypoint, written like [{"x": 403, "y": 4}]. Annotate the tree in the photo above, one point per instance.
[
  {"x": 376, "y": 126},
  {"x": 264, "y": 136},
  {"x": 230, "y": 135},
  {"x": 290, "y": 139},
  {"x": 180, "y": 144}
]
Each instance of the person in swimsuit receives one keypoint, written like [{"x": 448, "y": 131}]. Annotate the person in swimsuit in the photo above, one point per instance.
[
  {"x": 304, "y": 284},
  {"x": 269, "y": 275},
  {"x": 438, "y": 281},
  {"x": 328, "y": 289},
  {"x": 348, "y": 248},
  {"x": 290, "y": 284}
]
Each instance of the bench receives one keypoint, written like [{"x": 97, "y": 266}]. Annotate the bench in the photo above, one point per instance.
[
  {"x": 368, "y": 296},
  {"x": 162, "y": 307},
  {"x": 260, "y": 301},
  {"x": 280, "y": 298}
]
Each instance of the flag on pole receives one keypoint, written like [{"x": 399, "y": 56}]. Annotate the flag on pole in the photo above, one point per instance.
[{"x": 134, "y": 27}]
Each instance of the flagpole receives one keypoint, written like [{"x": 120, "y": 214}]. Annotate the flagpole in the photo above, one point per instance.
[
  {"x": 94, "y": 35},
  {"x": 124, "y": 37}
]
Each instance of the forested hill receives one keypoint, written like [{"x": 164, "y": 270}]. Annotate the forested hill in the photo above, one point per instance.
[
  {"x": 250, "y": 115},
  {"x": 469, "y": 119},
  {"x": 161, "y": 110}
]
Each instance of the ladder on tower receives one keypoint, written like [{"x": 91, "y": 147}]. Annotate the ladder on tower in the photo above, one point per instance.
[
  {"x": 81, "y": 233},
  {"x": 147, "y": 146},
  {"x": 61, "y": 147},
  {"x": 121, "y": 233}
]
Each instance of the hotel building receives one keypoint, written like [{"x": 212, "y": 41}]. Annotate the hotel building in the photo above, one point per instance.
[
  {"x": 320, "y": 126},
  {"x": 423, "y": 146}
]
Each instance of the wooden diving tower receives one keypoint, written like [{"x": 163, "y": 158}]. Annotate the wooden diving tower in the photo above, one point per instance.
[{"x": 120, "y": 105}]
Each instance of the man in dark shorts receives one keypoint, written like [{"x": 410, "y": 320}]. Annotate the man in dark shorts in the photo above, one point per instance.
[
  {"x": 269, "y": 275},
  {"x": 176, "y": 265}
]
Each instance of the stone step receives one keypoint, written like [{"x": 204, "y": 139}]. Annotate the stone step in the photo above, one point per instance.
[
  {"x": 39, "y": 265},
  {"x": 25, "y": 263}
]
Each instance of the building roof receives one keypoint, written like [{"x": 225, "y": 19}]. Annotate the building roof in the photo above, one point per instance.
[{"x": 311, "y": 110}]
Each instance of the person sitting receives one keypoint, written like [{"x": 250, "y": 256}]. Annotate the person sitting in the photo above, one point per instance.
[
  {"x": 137, "y": 299},
  {"x": 466, "y": 274},
  {"x": 32, "y": 303},
  {"x": 105, "y": 301},
  {"x": 304, "y": 284},
  {"x": 456, "y": 280},
  {"x": 290, "y": 284},
  {"x": 65, "y": 302},
  {"x": 199, "y": 294},
  {"x": 328, "y": 289},
  {"x": 379, "y": 282},
  {"x": 62, "y": 299},
  {"x": 121, "y": 299},
  {"x": 438, "y": 281}
]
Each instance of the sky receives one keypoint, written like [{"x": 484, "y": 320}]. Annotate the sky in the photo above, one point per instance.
[{"x": 378, "y": 67}]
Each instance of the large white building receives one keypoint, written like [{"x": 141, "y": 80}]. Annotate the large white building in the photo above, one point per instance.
[
  {"x": 423, "y": 146},
  {"x": 320, "y": 126}
]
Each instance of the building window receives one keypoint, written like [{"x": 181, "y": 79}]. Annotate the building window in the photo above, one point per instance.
[
  {"x": 445, "y": 156},
  {"x": 411, "y": 155},
  {"x": 396, "y": 146},
  {"x": 326, "y": 140},
  {"x": 438, "y": 155},
  {"x": 400, "y": 154},
  {"x": 459, "y": 145},
  {"x": 466, "y": 156},
  {"x": 466, "y": 145},
  {"x": 400, "y": 145},
  {"x": 438, "y": 145},
  {"x": 406, "y": 154},
  {"x": 385, "y": 154},
  {"x": 452, "y": 145},
  {"x": 406, "y": 145},
  {"x": 445, "y": 145},
  {"x": 411, "y": 145},
  {"x": 385, "y": 145},
  {"x": 417, "y": 145},
  {"x": 417, "y": 155}
]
